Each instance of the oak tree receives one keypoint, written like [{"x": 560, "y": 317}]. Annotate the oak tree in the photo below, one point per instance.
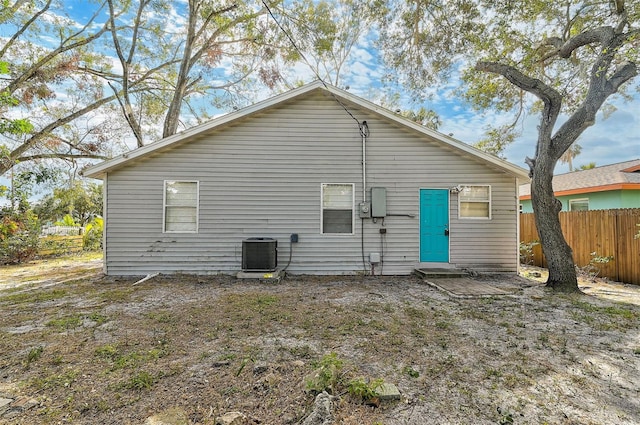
[
  {"x": 91, "y": 84},
  {"x": 560, "y": 60},
  {"x": 47, "y": 80}
]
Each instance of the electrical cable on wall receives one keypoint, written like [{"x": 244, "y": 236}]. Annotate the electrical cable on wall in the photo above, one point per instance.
[
  {"x": 290, "y": 255},
  {"x": 383, "y": 240},
  {"x": 364, "y": 263},
  {"x": 363, "y": 128},
  {"x": 304, "y": 58}
]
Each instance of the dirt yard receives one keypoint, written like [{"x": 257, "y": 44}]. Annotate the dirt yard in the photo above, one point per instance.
[{"x": 77, "y": 347}]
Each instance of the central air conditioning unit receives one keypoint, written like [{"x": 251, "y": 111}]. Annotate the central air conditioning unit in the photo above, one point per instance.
[{"x": 259, "y": 255}]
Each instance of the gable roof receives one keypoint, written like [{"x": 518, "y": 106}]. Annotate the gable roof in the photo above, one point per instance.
[
  {"x": 619, "y": 176},
  {"x": 341, "y": 96}
]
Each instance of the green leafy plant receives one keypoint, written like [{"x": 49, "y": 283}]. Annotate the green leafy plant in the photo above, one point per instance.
[
  {"x": 68, "y": 221},
  {"x": 98, "y": 318},
  {"x": 65, "y": 322},
  {"x": 140, "y": 381},
  {"x": 363, "y": 389},
  {"x": 243, "y": 364},
  {"x": 327, "y": 374},
  {"x": 410, "y": 371},
  {"x": 92, "y": 238},
  {"x": 108, "y": 351},
  {"x": 34, "y": 354},
  {"x": 58, "y": 380},
  {"x": 526, "y": 252},
  {"x": 592, "y": 270}
]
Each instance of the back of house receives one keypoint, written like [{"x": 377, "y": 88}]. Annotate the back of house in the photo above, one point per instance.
[{"x": 316, "y": 181}]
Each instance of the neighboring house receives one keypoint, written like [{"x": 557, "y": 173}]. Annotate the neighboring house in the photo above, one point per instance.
[
  {"x": 290, "y": 170},
  {"x": 600, "y": 188}
]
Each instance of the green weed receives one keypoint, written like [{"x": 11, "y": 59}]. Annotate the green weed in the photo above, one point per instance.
[
  {"x": 364, "y": 390},
  {"x": 64, "y": 323},
  {"x": 98, "y": 318},
  {"x": 34, "y": 296},
  {"x": 140, "y": 381},
  {"x": 301, "y": 351},
  {"x": 327, "y": 374},
  {"x": 493, "y": 373},
  {"x": 33, "y": 355},
  {"x": 61, "y": 380},
  {"x": 408, "y": 370},
  {"x": 128, "y": 360},
  {"x": 162, "y": 317},
  {"x": 107, "y": 351},
  {"x": 415, "y": 313}
]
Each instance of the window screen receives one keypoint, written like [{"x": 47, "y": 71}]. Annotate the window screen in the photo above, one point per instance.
[
  {"x": 475, "y": 202},
  {"x": 579, "y": 204},
  {"x": 337, "y": 208},
  {"x": 180, "y": 206}
]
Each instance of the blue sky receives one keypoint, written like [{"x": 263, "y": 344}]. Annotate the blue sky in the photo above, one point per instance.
[{"x": 611, "y": 140}]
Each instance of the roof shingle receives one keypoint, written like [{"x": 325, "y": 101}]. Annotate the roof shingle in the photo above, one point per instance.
[{"x": 607, "y": 175}]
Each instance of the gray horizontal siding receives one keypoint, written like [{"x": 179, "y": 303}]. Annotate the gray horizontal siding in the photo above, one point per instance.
[{"x": 262, "y": 177}]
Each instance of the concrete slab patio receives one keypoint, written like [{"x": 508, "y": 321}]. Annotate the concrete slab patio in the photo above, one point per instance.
[{"x": 467, "y": 287}]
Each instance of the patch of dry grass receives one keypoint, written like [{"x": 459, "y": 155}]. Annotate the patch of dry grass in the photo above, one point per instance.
[{"x": 104, "y": 351}]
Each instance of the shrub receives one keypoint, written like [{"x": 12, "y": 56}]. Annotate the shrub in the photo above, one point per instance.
[
  {"x": 328, "y": 374},
  {"x": 19, "y": 236},
  {"x": 526, "y": 252},
  {"x": 363, "y": 389},
  {"x": 592, "y": 270},
  {"x": 60, "y": 245},
  {"x": 93, "y": 235}
]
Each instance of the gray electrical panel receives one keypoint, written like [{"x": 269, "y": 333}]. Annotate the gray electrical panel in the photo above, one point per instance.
[
  {"x": 378, "y": 202},
  {"x": 365, "y": 210}
]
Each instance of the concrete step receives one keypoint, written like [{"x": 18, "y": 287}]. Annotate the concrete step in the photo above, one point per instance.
[{"x": 438, "y": 273}]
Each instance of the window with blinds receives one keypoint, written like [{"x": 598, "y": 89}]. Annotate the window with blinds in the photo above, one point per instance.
[
  {"x": 337, "y": 208},
  {"x": 181, "y": 206},
  {"x": 475, "y": 202}
]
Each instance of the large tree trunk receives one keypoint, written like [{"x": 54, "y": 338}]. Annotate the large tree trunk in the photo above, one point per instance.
[{"x": 559, "y": 255}]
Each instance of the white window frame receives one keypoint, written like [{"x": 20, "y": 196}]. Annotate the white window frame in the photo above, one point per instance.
[
  {"x": 322, "y": 208},
  {"x": 184, "y": 205},
  {"x": 488, "y": 201},
  {"x": 579, "y": 200}
]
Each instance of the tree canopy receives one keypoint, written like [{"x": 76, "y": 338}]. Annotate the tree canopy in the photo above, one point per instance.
[
  {"x": 120, "y": 73},
  {"x": 559, "y": 60}
]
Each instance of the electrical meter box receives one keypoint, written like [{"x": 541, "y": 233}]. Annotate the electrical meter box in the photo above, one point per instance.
[
  {"x": 378, "y": 202},
  {"x": 365, "y": 210}
]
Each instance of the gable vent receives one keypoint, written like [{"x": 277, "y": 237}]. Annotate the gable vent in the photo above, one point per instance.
[{"x": 259, "y": 254}]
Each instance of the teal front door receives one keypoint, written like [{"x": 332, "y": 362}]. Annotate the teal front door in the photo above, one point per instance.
[{"x": 434, "y": 225}]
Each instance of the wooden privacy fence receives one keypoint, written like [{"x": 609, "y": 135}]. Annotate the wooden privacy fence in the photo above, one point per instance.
[{"x": 605, "y": 232}]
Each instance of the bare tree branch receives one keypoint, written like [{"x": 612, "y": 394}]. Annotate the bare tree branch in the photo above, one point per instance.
[
  {"x": 550, "y": 97},
  {"x": 7, "y": 163},
  {"x": 61, "y": 156},
  {"x": 62, "y": 48},
  {"x": 24, "y": 27}
]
